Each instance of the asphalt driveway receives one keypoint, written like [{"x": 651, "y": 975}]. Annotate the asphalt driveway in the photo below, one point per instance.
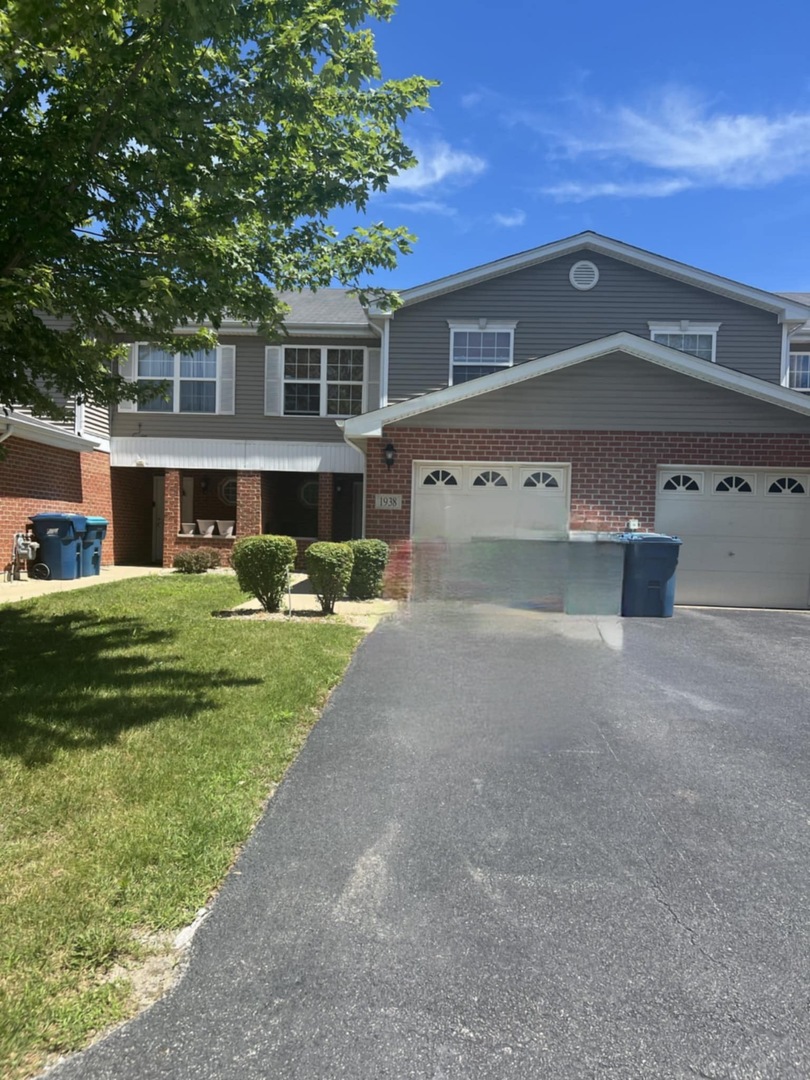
[{"x": 519, "y": 845}]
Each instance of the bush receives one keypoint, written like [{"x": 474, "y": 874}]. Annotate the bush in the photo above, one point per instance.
[
  {"x": 196, "y": 560},
  {"x": 329, "y": 567},
  {"x": 370, "y": 560},
  {"x": 262, "y": 565}
]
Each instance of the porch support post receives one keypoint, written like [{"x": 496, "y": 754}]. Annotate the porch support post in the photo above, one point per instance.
[
  {"x": 171, "y": 514},
  {"x": 248, "y": 504},
  {"x": 326, "y": 499}
]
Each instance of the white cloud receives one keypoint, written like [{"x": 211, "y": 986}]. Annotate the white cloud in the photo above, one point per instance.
[
  {"x": 438, "y": 161},
  {"x": 511, "y": 220},
  {"x": 673, "y": 143},
  {"x": 581, "y": 191},
  {"x": 427, "y": 206},
  {"x": 468, "y": 101}
]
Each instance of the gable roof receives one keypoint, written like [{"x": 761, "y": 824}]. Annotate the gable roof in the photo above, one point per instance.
[
  {"x": 788, "y": 308},
  {"x": 42, "y": 431},
  {"x": 369, "y": 425}
]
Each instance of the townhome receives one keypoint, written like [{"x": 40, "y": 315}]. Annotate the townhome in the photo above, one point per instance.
[{"x": 570, "y": 391}]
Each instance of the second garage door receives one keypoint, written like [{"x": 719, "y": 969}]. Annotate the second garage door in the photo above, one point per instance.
[
  {"x": 745, "y": 532},
  {"x": 466, "y": 501}
]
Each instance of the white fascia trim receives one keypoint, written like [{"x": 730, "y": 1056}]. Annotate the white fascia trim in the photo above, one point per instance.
[
  {"x": 371, "y": 424},
  {"x": 39, "y": 431},
  {"x": 591, "y": 241}
]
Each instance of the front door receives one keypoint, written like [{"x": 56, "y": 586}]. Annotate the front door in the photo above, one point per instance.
[{"x": 158, "y": 504}]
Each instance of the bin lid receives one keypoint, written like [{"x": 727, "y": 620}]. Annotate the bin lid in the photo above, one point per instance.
[
  {"x": 659, "y": 538},
  {"x": 91, "y": 520},
  {"x": 79, "y": 520}
]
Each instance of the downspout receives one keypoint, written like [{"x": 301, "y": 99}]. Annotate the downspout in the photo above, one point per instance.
[{"x": 7, "y": 433}]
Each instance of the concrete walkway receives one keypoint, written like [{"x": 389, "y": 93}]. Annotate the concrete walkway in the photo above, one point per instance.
[
  {"x": 26, "y": 587},
  {"x": 518, "y": 846}
]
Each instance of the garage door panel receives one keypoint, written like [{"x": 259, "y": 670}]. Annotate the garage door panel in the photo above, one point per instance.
[
  {"x": 741, "y": 589},
  {"x": 490, "y": 501},
  {"x": 747, "y": 550}
]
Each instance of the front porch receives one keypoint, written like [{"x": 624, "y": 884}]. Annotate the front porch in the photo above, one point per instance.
[{"x": 193, "y": 508}]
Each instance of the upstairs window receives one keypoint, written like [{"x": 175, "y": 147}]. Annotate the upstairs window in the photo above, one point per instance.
[
  {"x": 697, "y": 339},
  {"x": 323, "y": 381},
  {"x": 799, "y": 369},
  {"x": 199, "y": 382},
  {"x": 480, "y": 348}
]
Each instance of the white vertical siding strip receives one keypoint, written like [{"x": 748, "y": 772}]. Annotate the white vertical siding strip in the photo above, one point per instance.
[
  {"x": 251, "y": 455},
  {"x": 371, "y": 386},
  {"x": 273, "y": 380},
  {"x": 128, "y": 369},
  {"x": 226, "y": 379}
]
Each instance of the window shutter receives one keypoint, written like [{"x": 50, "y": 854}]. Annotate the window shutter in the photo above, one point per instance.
[
  {"x": 273, "y": 380},
  {"x": 372, "y": 387},
  {"x": 128, "y": 369},
  {"x": 226, "y": 379}
]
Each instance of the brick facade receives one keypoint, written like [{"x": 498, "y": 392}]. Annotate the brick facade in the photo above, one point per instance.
[
  {"x": 613, "y": 473},
  {"x": 35, "y": 478},
  {"x": 326, "y": 503}
]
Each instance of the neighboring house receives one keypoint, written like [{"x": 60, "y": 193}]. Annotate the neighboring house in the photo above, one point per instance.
[
  {"x": 563, "y": 392},
  {"x": 47, "y": 465}
]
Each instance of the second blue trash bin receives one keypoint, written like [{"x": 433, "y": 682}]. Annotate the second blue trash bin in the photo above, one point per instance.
[
  {"x": 60, "y": 543},
  {"x": 650, "y": 561},
  {"x": 94, "y": 533}
]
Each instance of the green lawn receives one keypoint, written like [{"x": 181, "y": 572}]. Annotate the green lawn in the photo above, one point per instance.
[{"x": 139, "y": 737}]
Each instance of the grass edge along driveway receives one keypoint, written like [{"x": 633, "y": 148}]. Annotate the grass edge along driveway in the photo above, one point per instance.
[{"x": 139, "y": 739}]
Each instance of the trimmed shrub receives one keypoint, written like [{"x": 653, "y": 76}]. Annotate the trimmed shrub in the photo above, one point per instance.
[
  {"x": 329, "y": 567},
  {"x": 262, "y": 565},
  {"x": 196, "y": 560},
  {"x": 370, "y": 561}
]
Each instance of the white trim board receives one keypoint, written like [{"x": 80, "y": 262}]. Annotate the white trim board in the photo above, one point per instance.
[
  {"x": 785, "y": 307},
  {"x": 40, "y": 431},
  {"x": 237, "y": 454},
  {"x": 370, "y": 425}
]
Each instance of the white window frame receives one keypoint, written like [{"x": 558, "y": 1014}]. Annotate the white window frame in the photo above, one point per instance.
[
  {"x": 175, "y": 382},
  {"x": 796, "y": 348},
  {"x": 482, "y": 326},
  {"x": 686, "y": 326},
  {"x": 323, "y": 382}
]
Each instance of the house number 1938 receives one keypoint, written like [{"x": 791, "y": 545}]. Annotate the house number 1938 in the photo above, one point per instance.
[{"x": 387, "y": 502}]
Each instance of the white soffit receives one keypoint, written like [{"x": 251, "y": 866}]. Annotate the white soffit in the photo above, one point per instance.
[{"x": 250, "y": 455}]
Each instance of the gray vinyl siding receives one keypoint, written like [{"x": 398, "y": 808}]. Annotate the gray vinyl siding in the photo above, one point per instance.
[
  {"x": 96, "y": 421},
  {"x": 615, "y": 392},
  {"x": 553, "y": 316},
  {"x": 249, "y": 421}
]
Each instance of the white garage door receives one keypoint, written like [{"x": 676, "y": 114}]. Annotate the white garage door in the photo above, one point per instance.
[
  {"x": 745, "y": 532},
  {"x": 464, "y": 501}
]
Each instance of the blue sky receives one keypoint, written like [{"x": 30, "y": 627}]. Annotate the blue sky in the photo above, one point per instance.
[{"x": 683, "y": 128}]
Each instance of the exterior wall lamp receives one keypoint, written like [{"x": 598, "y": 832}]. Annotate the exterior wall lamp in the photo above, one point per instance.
[
  {"x": 389, "y": 455},
  {"x": 204, "y": 482}
]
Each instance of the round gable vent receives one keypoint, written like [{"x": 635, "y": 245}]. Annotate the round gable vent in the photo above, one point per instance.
[{"x": 583, "y": 275}]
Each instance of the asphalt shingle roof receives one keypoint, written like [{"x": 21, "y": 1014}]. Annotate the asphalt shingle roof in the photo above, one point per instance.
[{"x": 333, "y": 306}]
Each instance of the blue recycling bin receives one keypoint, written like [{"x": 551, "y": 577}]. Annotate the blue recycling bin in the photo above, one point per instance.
[
  {"x": 648, "y": 585},
  {"x": 94, "y": 534},
  {"x": 60, "y": 543}
]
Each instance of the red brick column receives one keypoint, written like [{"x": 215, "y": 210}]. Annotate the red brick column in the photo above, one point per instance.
[
  {"x": 326, "y": 498},
  {"x": 171, "y": 514},
  {"x": 248, "y": 504}
]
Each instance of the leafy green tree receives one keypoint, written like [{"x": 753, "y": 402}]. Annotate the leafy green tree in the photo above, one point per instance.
[{"x": 170, "y": 162}]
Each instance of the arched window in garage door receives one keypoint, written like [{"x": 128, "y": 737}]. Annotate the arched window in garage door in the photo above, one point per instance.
[
  {"x": 541, "y": 480},
  {"x": 683, "y": 482},
  {"x": 440, "y": 478},
  {"x": 734, "y": 485},
  {"x": 490, "y": 478},
  {"x": 787, "y": 485}
]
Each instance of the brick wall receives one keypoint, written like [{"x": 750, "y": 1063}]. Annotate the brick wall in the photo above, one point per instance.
[
  {"x": 326, "y": 504},
  {"x": 35, "y": 478},
  {"x": 612, "y": 472}
]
